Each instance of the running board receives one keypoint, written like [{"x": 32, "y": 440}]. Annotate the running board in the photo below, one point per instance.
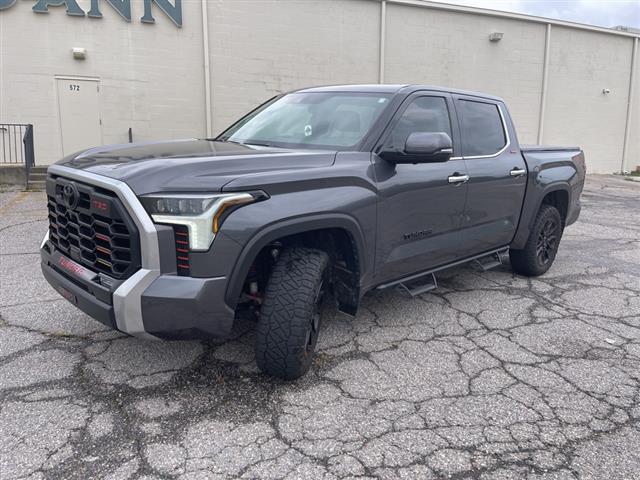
[
  {"x": 490, "y": 261},
  {"x": 418, "y": 286},
  {"x": 415, "y": 283}
]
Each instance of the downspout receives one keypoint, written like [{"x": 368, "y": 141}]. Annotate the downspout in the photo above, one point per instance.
[
  {"x": 383, "y": 34},
  {"x": 627, "y": 127},
  {"x": 545, "y": 80},
  {"x": 207, "y": 69}
]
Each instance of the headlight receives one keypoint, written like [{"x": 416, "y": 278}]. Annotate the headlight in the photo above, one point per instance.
[{"x": 202, "y": 214}]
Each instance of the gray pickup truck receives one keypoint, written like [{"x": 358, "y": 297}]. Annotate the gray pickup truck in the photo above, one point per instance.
[{"x": 322, "y": 193}]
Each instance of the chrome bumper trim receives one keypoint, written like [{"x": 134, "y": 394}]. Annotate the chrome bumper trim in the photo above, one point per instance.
[
  {"x": 45, "y": 239},
  {"x": 127, "y": 298}
]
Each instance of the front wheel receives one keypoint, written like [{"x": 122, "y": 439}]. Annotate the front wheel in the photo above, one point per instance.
[
  {"x": 289, "y": 323},
  {"x": 539, "y": 252}
]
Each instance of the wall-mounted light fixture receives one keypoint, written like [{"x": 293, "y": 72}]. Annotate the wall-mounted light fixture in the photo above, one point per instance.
[
  {"x": 79, "y": 53},
  {"x": 606, "y": 91},
  {"x": 495, "y": 36}
]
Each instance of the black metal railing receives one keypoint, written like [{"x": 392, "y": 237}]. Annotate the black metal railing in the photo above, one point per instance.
[{"x": 16, "y": 145}]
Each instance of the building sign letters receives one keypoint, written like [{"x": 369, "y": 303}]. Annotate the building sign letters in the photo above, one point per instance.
[{"x": 123, "y": 7}]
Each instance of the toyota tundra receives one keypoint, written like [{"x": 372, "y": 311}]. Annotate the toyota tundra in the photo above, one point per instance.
[{"x": 318, "y": 195}]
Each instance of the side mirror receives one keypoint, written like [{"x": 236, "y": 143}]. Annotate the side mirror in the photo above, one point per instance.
[
  {"x": 422, "y": 147},
  {"x": 430, "y": 146}
]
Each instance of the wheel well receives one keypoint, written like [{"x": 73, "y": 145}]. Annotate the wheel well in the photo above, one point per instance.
[
  {"x": 560, "y": 200},
  {"x": 344, "y": 264}
]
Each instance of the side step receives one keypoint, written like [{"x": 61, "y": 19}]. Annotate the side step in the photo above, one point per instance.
[
  {"x": 417, "y": 286},
  {"x": 490, "y": 261},
  {"x": 425, "y": 281}
]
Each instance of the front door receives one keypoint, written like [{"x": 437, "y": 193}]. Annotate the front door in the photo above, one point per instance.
[
  {"x": 497, "y": 175},
  {"x": 79, "y": 113},
  {"x": 419, "y": 210}
]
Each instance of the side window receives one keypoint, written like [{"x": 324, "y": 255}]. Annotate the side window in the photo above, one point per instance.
[
  {"x": 482, "y": 129},
  {"x": 424, "y": 114}
]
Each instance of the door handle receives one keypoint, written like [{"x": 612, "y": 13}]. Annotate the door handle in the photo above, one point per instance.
[
  {"x": 458, "y": 179},
  {"x": 517, "y": 172}
]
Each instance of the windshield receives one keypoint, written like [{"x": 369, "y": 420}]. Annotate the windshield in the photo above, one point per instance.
[{"x": 310, "y": 120}]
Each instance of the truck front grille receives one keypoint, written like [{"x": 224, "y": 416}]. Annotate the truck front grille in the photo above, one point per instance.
[{"x": 90, "y": 225}]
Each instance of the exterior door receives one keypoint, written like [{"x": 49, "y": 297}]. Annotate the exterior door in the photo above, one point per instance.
[
  {"x": 79, "y": 113},
  {"x": 497, "y": 175},
  {"x": 419, "y": 210}
]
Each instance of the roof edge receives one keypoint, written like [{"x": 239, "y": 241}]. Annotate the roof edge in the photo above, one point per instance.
[{"x": 510, "y": 15}]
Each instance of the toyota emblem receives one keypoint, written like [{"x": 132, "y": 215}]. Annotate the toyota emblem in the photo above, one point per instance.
[{"x": 70, "y": 196}]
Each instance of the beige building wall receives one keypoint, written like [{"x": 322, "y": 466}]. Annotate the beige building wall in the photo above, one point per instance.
[
  {"x": 150, "y": 74},
  {"x": 261, "y": 48},
  {"x": 453, "y": 49},
  {"x": 581, "y": 65},
  {"x": 152, "y": 77}
]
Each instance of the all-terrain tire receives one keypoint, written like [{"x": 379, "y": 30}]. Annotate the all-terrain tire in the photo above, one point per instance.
[
  {"x": 289, "y": 322},
  {"x": 539, "y": 252}
]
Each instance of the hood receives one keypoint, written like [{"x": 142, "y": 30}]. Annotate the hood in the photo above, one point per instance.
[{"x": 190, "y": 165}]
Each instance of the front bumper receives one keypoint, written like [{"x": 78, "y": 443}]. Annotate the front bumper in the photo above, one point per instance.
[
  {"x": 186, "y": 308},
  {"x": 171, "y": 307},
  {"x": 94, "y": 304},
  {"x": 150, "y": 303}
]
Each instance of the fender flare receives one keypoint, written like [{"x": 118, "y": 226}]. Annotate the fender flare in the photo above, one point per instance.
[
  {"x": 284, "y": 228},
  {"x": 524, "y": 228},
  {"x": 561, "y": 186}
]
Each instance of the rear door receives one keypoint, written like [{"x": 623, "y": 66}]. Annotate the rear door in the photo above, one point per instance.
[
  {"x": 419, "y": 210},
  {"x": 497, "y": 175}
]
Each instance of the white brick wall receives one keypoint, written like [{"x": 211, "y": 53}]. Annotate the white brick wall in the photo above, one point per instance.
[
  {"x": 453, "y": 50},
  {"x": 261, "y": 48},
  {"x": 581, "y": 64},
  {"x": 152, "y": 76}
]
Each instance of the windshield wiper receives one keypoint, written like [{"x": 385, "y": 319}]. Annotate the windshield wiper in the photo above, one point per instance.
[{"x": 255, "y": 144}]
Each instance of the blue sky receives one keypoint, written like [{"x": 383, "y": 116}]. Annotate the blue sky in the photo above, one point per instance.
[{"x": 604, "y": 13}]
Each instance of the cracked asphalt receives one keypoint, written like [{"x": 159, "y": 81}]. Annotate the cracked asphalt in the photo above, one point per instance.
[{"x": 492, "y": 376}]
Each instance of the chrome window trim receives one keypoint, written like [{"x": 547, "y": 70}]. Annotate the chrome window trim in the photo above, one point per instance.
[
  {"x": 504, "y": 128},
  {"x": 127, "y": 299}
]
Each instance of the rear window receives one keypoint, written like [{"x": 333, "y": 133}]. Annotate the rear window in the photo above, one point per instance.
[{"x": 482, "y": 130}]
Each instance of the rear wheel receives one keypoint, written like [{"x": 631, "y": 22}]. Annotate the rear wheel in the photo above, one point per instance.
[
  {"x": 289, "y": 324},
  {"x": 539, "y": 252}
]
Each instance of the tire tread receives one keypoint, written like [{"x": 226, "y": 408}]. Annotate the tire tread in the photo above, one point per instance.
[{"x": 287, "y": 310}]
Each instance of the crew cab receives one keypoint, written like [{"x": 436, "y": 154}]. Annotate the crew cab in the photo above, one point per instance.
[{"x": 318, "y": 195}]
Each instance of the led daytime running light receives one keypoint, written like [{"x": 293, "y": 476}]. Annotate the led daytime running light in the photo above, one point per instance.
[{"x": 201, "y": 214}]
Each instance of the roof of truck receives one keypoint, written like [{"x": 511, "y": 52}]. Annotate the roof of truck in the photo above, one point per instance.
[{"x": 394, "y": 88}]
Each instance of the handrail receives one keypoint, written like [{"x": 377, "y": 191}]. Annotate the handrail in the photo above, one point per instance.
[{"x": 16, "y": 145}]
